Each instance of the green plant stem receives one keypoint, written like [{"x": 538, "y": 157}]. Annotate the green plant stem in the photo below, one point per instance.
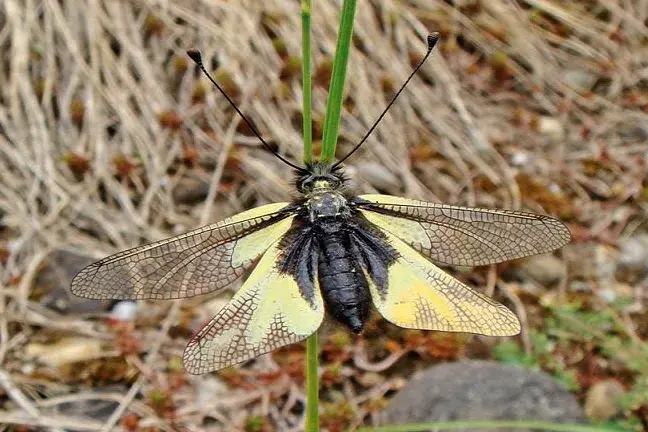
[
  {"x": 526, "y": 424},
  {"x": 312, "y": 355},
  {"x": 306, "y": 80},
  {"x": 338, "y": 77},
  {"x": 312, "y": 384}
]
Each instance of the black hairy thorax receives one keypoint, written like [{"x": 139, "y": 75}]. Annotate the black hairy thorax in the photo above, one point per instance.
[{"x": 332, "y": 243}]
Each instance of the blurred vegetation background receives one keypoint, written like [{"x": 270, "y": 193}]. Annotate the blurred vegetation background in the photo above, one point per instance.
[{"x": 110, "y": 138}]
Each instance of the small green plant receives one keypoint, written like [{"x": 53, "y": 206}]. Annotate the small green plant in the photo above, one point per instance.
[
  {"x": 257, "y": 423},
  {"x": 572, "y": 325},
  {"x": 541, "y": 357}
]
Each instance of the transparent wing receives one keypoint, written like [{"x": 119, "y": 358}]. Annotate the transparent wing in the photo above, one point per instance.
[
  {"x": 463, "y": 235},
  {"x": 269, "y": 311},
  {"x": 419, "y": 295},
  {"x": 194, "y": 263}
]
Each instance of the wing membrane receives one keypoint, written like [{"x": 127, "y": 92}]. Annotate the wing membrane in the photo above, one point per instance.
[
  {"x": 463, "y": 235},
  {"x": 194, "y": 263},
  {"x": 419, "y": 295},
  {"x": 269, "y": 311}
]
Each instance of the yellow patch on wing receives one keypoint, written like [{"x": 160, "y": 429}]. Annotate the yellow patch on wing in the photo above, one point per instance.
[
  {"x": 419, "y": 295},
  {"x": 400, "y": 227},
  {"x": 266, "y": 313},
  {"x": 251, "y": 246}
]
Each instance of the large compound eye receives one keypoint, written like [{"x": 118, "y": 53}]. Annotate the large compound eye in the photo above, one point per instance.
[
  {"x": 306, "y": 184},
  {"x": 334, "y": 181}
]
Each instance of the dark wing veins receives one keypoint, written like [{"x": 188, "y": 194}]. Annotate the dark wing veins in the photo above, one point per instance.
[
  {"x": 194, "y": 263},
  {"x": 457, "y": 235}
]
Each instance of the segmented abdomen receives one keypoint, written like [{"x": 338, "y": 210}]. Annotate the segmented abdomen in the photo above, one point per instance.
[{"x": 342, "y": 281}]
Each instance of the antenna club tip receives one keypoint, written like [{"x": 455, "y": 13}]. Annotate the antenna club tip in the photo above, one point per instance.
[
  {"x": 432, "y": 40},
  {"x": 194, "y": 55}
]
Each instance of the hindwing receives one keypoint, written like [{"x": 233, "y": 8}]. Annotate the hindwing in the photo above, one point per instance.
[
  {"x": 416, "y": 294},
  {"x": 269, "y": 311}
]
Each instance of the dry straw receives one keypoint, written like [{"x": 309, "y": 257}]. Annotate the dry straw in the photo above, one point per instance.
[{"x": 534, "y": 92}]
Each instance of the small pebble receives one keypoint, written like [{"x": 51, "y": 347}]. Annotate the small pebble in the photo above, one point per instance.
[
  {"x": 68, "y": 350},
  {"x": 551, "y": 128},
  {"x": 124, "y": 311},
  {"x": 634, "y": 252},
  {"x": 579, "y": 79},
  {"x": 546, "y": 269},
  {"x": 602, "y": 400},
  {"x": 370, "y": 379},
  {"x": 190, "y": 190},
  {"x": 520, "y": 158}
]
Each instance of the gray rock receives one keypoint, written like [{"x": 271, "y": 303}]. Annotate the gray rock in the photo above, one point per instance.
[
  {"x": 95, "y": 409},
  {"x": 481, "y": 390},
  {"x": 591, "y": 261},
  {"x": 633, "y": 261},
  {"x": 56, "y": 277},
  {"x": 580, "y": 79},
  {"x": 545, "y": 269},
  {"x": 640, "y": 131},
  {"x": 190, "y": 190},
  {"x": 634, "y": 252}
]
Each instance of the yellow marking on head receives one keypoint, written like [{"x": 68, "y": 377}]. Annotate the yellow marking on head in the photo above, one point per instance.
[{"x": 321, "y": 184}]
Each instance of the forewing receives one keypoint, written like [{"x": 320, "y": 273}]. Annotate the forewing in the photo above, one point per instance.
[
  {"x": 269, "y": 311},
  {"x": 419, "y": 295},
  {"x": 194, "y": 263},
  {"x": 463, "y": 235}
]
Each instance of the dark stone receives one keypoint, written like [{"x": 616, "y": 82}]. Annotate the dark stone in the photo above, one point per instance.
[
  {"x": 190, "y": 190},
  {"x": 95, "y": 409},
  {"x": 55, "y": 279},
  {"x": 481, "y": 390}
]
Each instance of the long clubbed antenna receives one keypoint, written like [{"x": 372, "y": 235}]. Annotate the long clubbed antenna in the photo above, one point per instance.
[
  {"x": 197, "y": 58},
  {"x": 432, "y": 39}
]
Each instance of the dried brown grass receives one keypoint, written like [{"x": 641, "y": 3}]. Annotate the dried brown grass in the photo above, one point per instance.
[{"x": 505, "y": 124}]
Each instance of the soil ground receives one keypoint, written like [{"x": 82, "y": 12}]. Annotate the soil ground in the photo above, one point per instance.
[{"x": 110, "y": 139}]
